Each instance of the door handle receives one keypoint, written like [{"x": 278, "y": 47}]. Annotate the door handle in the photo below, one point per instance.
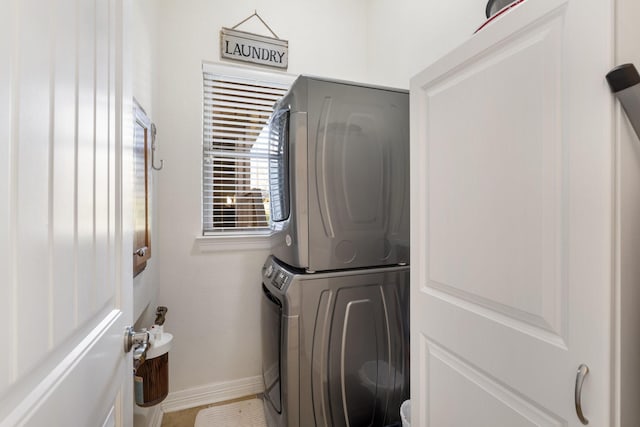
[
  {"x": 133, "y": 339},
  {"x": 141, "y": 252},
  {"x": 139, "y": 342},
  {"x": 583, "y": 370}
]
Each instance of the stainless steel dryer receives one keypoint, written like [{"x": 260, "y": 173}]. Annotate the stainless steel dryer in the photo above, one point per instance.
[
  {"x": 335, "y": 346},
  {"x": 339, "y": 175}
]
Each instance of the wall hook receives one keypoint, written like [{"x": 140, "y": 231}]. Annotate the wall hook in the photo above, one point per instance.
[{"x": 153, "y": 149}]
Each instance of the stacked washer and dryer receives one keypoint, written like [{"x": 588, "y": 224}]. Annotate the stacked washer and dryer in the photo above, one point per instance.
[{"x": 335, "y": 311}]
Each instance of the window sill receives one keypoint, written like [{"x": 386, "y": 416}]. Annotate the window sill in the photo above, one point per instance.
[{"x": 227, "y": 243}]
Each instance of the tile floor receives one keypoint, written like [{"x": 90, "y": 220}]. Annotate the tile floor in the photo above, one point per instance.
[{"x": 187, "y": 417}]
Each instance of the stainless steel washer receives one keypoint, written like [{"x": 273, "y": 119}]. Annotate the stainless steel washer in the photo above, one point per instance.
[{"x": 335, "y": 346}]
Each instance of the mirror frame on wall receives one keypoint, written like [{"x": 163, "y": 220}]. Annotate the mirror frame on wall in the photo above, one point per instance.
[{"x": 141, "y": 192}]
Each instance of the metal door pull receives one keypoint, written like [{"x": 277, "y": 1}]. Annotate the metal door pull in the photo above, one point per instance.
[
  {"x": 583, "y": 370},
  {"x": 141, "y": 252}
]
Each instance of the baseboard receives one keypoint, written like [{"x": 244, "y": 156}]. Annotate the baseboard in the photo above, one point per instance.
[
  {"x": 156, "y": 417},
  {"x": 212, "y": 393}
]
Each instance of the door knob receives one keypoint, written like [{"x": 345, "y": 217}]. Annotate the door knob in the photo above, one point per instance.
[
  {"x": 583, "y": 370},
  {"x": 135, "y": 339},
  {"x": 141, "y": 252}
]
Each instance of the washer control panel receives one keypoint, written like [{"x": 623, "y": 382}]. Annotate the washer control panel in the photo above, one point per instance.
[
  {"x": 275, "y": 274},
  {"x": 280, "y": 279},
  {"x": 269, "y": 271}
]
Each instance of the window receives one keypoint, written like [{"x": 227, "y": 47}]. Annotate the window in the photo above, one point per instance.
[{"x": 235, "y": 187}]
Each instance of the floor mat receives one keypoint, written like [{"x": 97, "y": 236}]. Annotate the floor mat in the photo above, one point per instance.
[{"x": 246, "y": 413}]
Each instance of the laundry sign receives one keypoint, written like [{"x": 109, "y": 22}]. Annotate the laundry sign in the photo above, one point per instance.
[{"x": 248, "y": 47}]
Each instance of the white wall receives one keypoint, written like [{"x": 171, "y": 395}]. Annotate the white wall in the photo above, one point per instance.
[
  {"x": 629, "y": 273},
  {"x": 404, "y": 36},
  {"x": 145, "y": 46},
  {"x": 145, "y": 284},
  {"x": 213, "y": 297},
  {"x": 628, "y": 277},
  {"x": 144, "y": 49}
]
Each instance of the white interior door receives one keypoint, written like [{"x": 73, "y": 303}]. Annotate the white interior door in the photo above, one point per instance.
[
  {"x": 512, "y": 224},
  {"x": 65, "y": 227}
]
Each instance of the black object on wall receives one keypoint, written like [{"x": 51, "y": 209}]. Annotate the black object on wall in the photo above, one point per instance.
[{"x": 624, "y": 82}]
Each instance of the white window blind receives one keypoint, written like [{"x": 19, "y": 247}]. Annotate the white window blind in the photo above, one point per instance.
[{"x": 235, "y": 188}]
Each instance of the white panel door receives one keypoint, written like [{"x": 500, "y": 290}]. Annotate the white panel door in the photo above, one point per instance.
[
  {"x": 511, "y": 163},
  {"x": 65, "y": 223}
]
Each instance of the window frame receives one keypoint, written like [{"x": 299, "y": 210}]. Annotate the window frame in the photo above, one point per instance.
[{"x": 242, "y": 238}]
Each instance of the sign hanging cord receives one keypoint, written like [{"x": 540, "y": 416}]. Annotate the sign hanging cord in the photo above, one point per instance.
[{"x": 255, "y": 13}]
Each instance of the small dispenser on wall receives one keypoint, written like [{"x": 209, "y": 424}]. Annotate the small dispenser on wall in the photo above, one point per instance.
[{"x": 151, "y": 370}]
